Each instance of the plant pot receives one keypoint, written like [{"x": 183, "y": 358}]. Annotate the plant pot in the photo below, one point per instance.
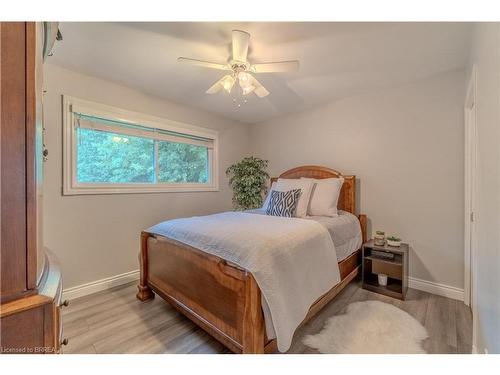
[
  {"x": 393, "y": 243},
  {"x": 379, "y": 238}
]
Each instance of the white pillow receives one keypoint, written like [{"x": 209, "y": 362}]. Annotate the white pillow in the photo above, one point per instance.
[
  {"x": 268, "y": 197},
  {"x": 324, "y": 196},
  {"x": 286, "y": 184}
]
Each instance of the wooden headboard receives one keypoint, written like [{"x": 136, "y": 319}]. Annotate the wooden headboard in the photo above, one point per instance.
[{"x": 347, "y": 198}]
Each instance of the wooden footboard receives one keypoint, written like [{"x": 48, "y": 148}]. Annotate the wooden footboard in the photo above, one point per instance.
[{"x": 221, "y": 298}]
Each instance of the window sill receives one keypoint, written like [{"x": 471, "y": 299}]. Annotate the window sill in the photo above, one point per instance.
[{"x": 123, "y": 189}]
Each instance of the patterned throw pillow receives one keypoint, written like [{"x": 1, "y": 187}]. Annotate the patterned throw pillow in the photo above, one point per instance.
[{"x": 283, "y": 203}]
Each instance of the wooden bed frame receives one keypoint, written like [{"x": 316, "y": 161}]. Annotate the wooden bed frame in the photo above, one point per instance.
[{"x": 222, "y": 298}]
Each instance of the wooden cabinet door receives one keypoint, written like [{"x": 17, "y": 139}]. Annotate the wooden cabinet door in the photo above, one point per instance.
[
  {"x": 21, "y": 168},
  {"x": 13, "y": 86}
]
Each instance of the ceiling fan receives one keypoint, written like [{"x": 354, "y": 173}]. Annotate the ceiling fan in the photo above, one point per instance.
[{"x": 242, "y": 70}]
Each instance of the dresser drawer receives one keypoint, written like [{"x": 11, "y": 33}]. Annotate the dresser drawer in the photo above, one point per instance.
[{"x": 58, "y": 330}]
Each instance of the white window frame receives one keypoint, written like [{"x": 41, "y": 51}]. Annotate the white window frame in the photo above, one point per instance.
[{"x": 72, "y": 105}]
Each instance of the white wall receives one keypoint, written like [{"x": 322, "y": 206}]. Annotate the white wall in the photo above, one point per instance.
[
  {"x": 405, "y": 144},
  {"x": 486, "y": 56},
  {"x": 97, "y": 236}
]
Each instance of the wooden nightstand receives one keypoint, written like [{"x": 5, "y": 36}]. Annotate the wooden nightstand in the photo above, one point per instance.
[{"x": 396, "y": 269}]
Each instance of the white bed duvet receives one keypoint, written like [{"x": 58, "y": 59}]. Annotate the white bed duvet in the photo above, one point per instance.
[
  {"x": 344, "y": 229},
  {"x": 293, "y": 260}
]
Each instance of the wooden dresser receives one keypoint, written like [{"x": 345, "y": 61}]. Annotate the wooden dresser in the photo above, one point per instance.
[{"x": 30, "y": 278}]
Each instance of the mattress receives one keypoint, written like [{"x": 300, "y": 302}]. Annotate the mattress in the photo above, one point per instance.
[{"x": 344, "y": 229}]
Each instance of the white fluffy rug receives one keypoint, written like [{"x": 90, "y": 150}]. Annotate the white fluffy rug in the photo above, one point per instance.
[{"x": 370, "y": 327}]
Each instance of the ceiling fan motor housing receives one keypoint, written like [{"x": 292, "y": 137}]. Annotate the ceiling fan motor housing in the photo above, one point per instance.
[{"x": 238, "y": 66}]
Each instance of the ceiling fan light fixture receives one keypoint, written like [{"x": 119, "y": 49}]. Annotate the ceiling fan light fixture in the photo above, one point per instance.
[
  {"x": 243, "y": 78},
  {"x": 228, "y": 83},
  {"x": 245, "y": 81}
]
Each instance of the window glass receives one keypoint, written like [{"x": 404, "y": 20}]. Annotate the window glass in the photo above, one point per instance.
[
  {"x": 182, "y": 163},
  {"x": 104, "y": 157}
]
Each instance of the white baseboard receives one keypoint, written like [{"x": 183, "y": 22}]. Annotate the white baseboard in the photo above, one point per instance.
[
  {"x": 99, "y": 285},
  {"x": 436, "y": 288},
  {"x": 124, "y": 278}
]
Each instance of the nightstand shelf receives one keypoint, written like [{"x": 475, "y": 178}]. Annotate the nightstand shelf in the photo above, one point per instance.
[
  {"x": 396, "y": 269},
  {"x": 396, "y": 261}
]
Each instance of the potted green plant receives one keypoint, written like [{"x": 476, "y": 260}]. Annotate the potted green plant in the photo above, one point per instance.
[
  {"x": 379, "y": 238},
  {"x": 248, "y": 180},
  {"x": 393, "y": 241}
]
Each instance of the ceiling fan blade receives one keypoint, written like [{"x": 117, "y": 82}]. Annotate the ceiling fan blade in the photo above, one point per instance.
[
  {"x": 216, "y": 87},
  {"x": 240, "y": 45},
  {"x": 259, "y": 90},
  {"x": 225, "y": 82},
  {"x": 205, "y": 64},
  {"x": 276, "y": 67}
]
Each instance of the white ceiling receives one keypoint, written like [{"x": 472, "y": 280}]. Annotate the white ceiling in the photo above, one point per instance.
[{"x": 336, "y": 59}]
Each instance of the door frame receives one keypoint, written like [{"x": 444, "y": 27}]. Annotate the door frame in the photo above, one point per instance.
[{"x": 470, "y": 191}]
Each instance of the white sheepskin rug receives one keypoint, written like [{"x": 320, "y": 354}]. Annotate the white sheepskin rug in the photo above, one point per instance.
[{"x": 370, "y": 327}]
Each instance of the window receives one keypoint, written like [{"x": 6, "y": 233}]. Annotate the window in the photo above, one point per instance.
[{"x": 108, "y": 150}]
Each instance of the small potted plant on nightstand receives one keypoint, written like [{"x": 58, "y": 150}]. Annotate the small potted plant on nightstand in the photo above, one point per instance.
[
  {"x": 379, "y": 238},
  {"x": 393, "y": 241}
]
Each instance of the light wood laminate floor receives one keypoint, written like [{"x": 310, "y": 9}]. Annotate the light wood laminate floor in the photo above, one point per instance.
[{"x": 114, "y": 321}]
